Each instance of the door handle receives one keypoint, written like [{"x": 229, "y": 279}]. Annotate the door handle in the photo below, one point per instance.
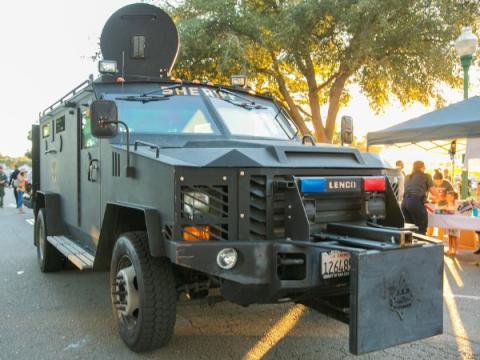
[{"x": 92, "y": 166}]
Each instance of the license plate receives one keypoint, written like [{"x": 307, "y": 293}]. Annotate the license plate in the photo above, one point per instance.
[{"x": 335, "y": 264}]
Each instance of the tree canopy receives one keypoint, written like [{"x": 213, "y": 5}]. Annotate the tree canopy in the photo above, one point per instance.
[{"x": 308, "y": 52}]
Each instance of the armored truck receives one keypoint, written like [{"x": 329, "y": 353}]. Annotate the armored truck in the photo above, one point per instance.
[{"x": 188, "y": 190}]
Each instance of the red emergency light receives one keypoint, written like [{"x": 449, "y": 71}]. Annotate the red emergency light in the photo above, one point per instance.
[{"x": 374, "y": 183}]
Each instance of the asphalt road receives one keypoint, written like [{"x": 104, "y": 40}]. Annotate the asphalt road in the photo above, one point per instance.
[{"x": 67, "y": 315}]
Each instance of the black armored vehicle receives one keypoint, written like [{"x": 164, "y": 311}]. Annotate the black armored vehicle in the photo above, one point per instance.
[{"x": 199, "y": 191}]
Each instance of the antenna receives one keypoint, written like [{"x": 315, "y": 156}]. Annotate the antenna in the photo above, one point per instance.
[{"x": 123, "y": 64}]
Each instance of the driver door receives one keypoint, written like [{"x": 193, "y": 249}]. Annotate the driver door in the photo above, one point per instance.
[{"x": 90, "y": 181}]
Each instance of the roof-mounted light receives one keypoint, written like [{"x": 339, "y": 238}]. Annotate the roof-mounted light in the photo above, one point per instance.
[
  {"x": 107, "y": 67},
  {"x": 238, "y": 80}
]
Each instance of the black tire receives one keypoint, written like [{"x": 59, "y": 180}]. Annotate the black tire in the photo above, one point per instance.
[
  {"x": 49, "y": 258},
  {"x": 152, "y": 325}
]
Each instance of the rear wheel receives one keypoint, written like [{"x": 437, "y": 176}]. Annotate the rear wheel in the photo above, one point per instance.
[
  {"x": 49, "y": 258},
  {"x": 143, "y": 294}
]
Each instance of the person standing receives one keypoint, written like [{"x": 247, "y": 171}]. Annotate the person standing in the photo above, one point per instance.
[
  {"x": 453, "y": 234},
  {"x": 417, "y": 184},
  {"x": 3, "y": 183},
  {"x": 13, "y": 177},
  {"x": 20, "y": 183},
  {"x": 401, "y": 180}
]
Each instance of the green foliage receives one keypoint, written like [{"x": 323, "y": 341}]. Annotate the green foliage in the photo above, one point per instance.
[
  {"x": 307, "y": 52},
  {"x": 10, "y": 161}
]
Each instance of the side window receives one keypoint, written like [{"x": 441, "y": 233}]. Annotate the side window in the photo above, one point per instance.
[
  {"x": 45, "y": 130},
  {"x": 60, "y": 124},
  {"x": 88, "y": 140}
]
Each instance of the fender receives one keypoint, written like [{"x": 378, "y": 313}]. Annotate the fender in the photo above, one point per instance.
[
  {"x": 52, "y": 203},
  {"x": 124, "y": 217}
]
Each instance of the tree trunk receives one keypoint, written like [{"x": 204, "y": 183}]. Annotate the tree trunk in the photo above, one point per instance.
[
  {"x": 334, "y": 103},
  {"x": 297, "y": 117},
  {"x": 305, "y": 65}
]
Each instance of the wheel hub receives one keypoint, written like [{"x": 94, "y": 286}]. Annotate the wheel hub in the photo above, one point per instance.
[{"x": 126, "y": 298}]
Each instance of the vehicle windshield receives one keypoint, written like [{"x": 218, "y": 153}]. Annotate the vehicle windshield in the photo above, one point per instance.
[
  {"x": 243, "y": 121},
  {"x": 177, "y": 115},
  {"x": 191, "y": 113}
]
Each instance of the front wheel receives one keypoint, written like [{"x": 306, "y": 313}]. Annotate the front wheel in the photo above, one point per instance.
[{"x": 143, "y": 294}]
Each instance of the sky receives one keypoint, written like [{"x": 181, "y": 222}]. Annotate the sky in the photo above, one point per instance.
[{"x": 45, "y": 52}]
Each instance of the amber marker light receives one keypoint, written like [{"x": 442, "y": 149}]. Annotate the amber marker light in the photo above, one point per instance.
[{"x": 196, "y": 233}]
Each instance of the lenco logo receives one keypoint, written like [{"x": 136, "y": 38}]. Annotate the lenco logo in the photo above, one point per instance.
[{"x": 346, "y": 184}]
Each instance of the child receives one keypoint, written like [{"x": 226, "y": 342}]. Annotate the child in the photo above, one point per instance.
[
  {"x": 20, "y": 183},
  {"x": 452, "y": 197}
]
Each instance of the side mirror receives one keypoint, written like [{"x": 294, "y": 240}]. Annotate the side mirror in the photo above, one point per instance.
[
  {"x": 347, "y": 130},
  {"x": 104, "y": 119}
]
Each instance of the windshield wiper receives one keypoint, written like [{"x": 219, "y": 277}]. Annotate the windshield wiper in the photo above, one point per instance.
[
  {"x": 248, "y": 104},
  {"x": 281, "y": 111},
  {"x": 143, "y": 99},
  {"x": 147, "y": 96}
]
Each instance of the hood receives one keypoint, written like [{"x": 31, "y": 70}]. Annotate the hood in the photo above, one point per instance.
[{"x": 256, "y": 153}]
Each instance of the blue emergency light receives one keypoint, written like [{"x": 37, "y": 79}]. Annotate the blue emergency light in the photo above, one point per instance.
[{"x": 312, "y": 185}]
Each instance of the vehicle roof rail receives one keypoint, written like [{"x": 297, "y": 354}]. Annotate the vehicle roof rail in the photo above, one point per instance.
[{"x": 70, "y": 94}]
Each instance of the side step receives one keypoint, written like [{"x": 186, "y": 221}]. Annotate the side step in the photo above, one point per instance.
[{"x": 73, "y": 252}]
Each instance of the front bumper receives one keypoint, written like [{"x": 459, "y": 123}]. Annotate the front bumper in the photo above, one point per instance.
[
  {"x": 391, "y": 297},
  {"x": 261, "y": 275}
]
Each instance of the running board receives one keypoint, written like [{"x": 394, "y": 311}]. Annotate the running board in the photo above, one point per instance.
[{"x": 73, "y": 252}]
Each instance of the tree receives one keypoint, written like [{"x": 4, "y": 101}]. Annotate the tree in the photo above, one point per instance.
[{"x": 308, "y": 52}]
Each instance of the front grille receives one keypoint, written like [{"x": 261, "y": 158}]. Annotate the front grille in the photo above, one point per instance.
[
  {"x": 204, "y": 212},
  {"x": 337, "y": 208},
  {"x": 269, "y": 220},
  {"x": 258, "y": 207},
  {"x": 193, "y": 202},
  {"x": 279, "y": 208}
]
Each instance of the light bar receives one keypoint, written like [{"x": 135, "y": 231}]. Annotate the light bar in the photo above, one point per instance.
[
  {"x": 374, "y": 183},
  {"x": 313, "y": 185},
  {"x": 107, "y": 67}
]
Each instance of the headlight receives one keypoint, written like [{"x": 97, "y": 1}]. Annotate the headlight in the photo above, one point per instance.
[
  {"x": 227, "y": 258},
  {"x": 195, "y": 203}
]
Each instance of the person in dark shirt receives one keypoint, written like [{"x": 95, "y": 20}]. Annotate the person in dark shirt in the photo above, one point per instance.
[
  {"x": 13, "y": 177},
  {"x": 417, "y": 184}
]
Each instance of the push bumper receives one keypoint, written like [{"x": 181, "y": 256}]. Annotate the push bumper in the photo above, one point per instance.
[{"x": 391, "y": 297}]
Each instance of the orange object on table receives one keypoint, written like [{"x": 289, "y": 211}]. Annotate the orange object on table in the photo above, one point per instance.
[{"x": 467, "y": 240}]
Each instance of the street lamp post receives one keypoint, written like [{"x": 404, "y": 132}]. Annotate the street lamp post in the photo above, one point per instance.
[{"x": 465, "y": 45}]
